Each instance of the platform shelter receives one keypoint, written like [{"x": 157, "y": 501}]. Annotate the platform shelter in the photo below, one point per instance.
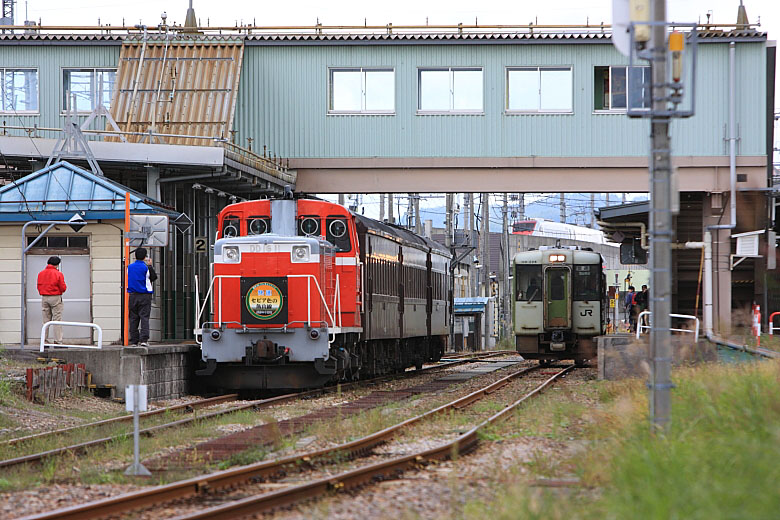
[{"x": 92, "y": 257}]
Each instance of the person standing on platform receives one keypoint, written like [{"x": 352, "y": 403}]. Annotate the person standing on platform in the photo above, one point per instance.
[
  {"x": 643, "y": 300},
  {"x": 51, "y": 285},
  {"x": 630, "y": 316},
  {"x": 140, "y": 276}
]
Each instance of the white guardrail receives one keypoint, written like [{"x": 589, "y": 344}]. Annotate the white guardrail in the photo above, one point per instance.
[
  {"x": 46, "y": 326},
  {"x": 641, "y": 327}
]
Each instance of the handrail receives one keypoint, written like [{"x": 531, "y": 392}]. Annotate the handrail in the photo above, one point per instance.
[
  {"x": 46, "y": 325},
  {"x": 772, "y": 328},
  {"x": 683, "y": 316},
  {"x": 309, "y": 278}
]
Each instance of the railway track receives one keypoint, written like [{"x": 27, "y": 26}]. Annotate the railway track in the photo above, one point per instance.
[
  {"x": 254, "y": 405},
  {"x": 206, "y": 485}
]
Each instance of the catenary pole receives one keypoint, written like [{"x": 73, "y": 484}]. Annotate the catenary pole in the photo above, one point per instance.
[{"x": 661, "y": 232}]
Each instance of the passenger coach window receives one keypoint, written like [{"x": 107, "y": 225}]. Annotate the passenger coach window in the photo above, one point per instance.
[
  {"x": 528, "y": 280},
  {"x": 231, "y": 226},
  {"x": 337, "y": 233},
  {"x": 258, "y": 225},
  {"x": 586, "y": 282}
]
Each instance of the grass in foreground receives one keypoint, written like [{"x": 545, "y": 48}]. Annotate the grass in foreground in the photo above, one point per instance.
[{"x": 719, "y": 459}]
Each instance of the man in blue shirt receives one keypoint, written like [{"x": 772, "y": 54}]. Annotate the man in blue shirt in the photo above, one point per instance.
[{"x": 140, "y": 275}]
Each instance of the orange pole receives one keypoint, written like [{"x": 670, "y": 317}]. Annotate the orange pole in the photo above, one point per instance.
[{"x": 126, "y": 320}]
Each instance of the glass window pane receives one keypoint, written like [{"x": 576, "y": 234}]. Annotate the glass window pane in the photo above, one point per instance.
[
  {"x": 639, "y": 87},
  {"x": 435, "y": 91},
  {"x": 523, "y": 89},
  {"x": 556, "y": 90},
  {"x": 380, "y": 90},
  {"x": 467, "y": 91},
  {"x": 80, "y": 242},
  {"x": 346, "y": 90},
  {"x": 105, "y": 85},
  {"x": 79, "y": 84},
  {"x": 618, "y": 86},
  {"x": 58, "y": 242},
  {"x": 19, "y": 90},
  {"x": 528, "y": 283}
]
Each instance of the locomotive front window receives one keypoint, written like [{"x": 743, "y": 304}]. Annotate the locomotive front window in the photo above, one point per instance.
[
  {"x": 258, "y": 225},
  {"x": 309, "y": 226},
  {"x": 337, "y": 234},
  {"x": 231, "y": 226},
  {"x": 528, "y": 279},
  {"x": 586, "y": 283}
]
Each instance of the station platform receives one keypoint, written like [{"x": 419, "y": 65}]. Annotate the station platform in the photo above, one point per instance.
[
  {"x": 167, "y": 369},
  {"x": 622, "y": 355}
]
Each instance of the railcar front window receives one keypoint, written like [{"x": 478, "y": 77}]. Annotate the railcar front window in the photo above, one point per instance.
[
  {"x": 528, "y": 283},
  {"x": 586, "y": 283}
]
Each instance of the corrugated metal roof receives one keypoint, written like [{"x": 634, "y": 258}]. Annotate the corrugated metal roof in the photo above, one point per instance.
[
  {"x": 187, "y": 86},
  {"x": 593, "y": 35},
  {"x": 64, "y": 188}
]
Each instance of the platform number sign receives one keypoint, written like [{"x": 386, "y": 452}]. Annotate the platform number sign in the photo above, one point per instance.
[{"x": 201, "y": 244}]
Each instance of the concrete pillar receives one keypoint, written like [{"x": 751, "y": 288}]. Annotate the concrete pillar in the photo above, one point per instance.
[
  {"x": 153, "y": 182},
  {"x": 714, "y": 205}
]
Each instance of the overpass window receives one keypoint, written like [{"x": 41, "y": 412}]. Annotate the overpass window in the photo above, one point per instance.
[
  {"x": 362, "y": 91},
  {"x": 450, "y": 90},
  {"x": 615, "y": 88},
  {"x": 91, "y": 88},
  {"x": 539, "y": 90},
  {"x": 18, "y": 90}
]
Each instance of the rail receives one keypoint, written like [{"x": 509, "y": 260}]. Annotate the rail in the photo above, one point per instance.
[
  {"x": 695, "y": 332},
  {"x": 46, "y": 326},
  {"x": 772, "y": 327}
]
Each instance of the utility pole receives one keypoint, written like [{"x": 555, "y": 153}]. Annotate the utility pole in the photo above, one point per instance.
[
  {"x": 485, "y": 250},
  {"x": 390, "y": 214},
  {"x": 563, "y": 207},
  {"x": 592, "y": 210},
  {"x": 381, "y": 207},
  {"x": 449, "y": 244},
  {"x": 473, "y": 243},
  {"x": 341, "y": 199},
  {"x": 417, "y": 220},
  {"x": 506, "y": 270},
  {"x": 521, "y": 206},
  {"x": 661, "y": 232}
]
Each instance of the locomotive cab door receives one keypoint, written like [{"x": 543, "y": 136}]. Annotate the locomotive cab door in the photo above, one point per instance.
[{"x": 557, "y": 308}]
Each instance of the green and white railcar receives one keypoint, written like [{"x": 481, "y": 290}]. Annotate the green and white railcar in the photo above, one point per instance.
[{"x": 559, "y": 303}]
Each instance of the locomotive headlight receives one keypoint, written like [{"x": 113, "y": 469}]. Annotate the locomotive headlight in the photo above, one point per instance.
[
  {"x": 231, "y": 255},
  {"x": 300, "y": 254},
  {"x": 557, "y": 258}
]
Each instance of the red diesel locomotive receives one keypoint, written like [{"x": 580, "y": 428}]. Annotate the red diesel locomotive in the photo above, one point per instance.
[{"x": 306, "y": 292}]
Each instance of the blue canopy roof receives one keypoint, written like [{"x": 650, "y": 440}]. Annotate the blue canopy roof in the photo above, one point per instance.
[{"x": 62, "y": 189}]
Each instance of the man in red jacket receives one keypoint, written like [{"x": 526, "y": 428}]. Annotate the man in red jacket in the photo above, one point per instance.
[{"x": 51, "y": 285}]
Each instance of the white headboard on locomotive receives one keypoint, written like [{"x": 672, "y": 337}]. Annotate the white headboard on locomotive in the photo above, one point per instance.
[{"x": 559, "y": 302}]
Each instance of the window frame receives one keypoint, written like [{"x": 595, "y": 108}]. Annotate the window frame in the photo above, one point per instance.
[
  {"x": 94, "y": 88},
  {"x": 452, "y": 110},
  {"x": 628, "y": 79},
  {"x": 363, "y": 111},
  {"x": 539, "y": 69},
  {"x": 37, "y": 91}
]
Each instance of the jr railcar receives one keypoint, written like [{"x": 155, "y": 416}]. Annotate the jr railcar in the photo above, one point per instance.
[
  {"x": 304, "y": 292},
  {"x": 559, "y": 303}
]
